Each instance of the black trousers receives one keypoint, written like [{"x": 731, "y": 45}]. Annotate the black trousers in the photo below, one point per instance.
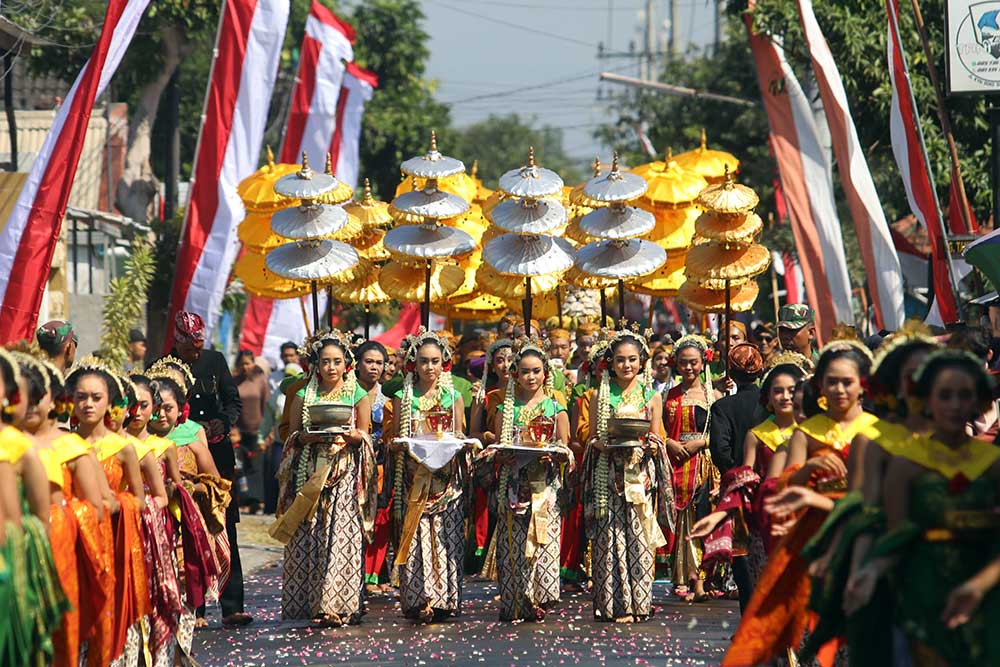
[
  {"x": 231, "y": 597},
  {"x": 741, "y": 574}
]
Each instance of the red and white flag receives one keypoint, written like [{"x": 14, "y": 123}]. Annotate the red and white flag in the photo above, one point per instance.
[
  {"x": 246, "y": 62},
  {"x": 357, "y": 90},
  {"x": 806, "y": 183},
  {"x": 267, "y": 323},
  {"x": 29, "y": 238},
  {"x": 907, "y": 147},
  {"x": 313, "y": 116},
  {"x": 884, "y": 276}
]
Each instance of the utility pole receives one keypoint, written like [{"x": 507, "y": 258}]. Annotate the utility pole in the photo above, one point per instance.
[
  {"x": 718, "y": 25},
  {"x": 650, "y": 42},
  {"x": 675, "y": 28}
]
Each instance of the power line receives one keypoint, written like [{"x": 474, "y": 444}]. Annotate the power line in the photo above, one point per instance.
[
  {"x": 536, "y": 86},
  {"x": 517, "y": 26}
]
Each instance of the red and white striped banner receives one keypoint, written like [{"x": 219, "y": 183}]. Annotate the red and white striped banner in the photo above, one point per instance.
[
  {"x": 907, "y": 147},
  {"x": 28, "y": 240},
  {"x": 267, "y": 323},
  {"x": 885, "y": 279},
  {"x": 247, "y": 54},
  {"x": 806, "y": 184},
  {"x": 313, "y": 116},
  {"x": 345, "y": 149}
]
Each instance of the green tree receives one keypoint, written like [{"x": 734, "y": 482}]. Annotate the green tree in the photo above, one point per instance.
[
  {"x": 856, "y": 32},
  {"x": 500, "y": 143}
]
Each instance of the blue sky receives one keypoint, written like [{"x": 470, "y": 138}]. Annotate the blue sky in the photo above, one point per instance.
[{"x": 538, "y": 58}]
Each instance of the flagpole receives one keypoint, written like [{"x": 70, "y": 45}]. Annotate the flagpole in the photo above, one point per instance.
[
  {"x": 893, "y": 20},
  {"x": 942, "y": 112}
]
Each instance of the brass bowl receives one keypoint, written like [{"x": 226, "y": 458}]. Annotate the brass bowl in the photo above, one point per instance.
[
  {"x": 627, "y": 428},
  {"x": 330, "y": 414}
]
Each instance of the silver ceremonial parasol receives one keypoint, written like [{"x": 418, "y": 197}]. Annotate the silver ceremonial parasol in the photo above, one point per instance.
[
  {"x": 620, "y": 259},
  {"x": 617, "y": 222},
  {"x": 528, "y": 254},
  {"x": 305, "y": 183},
  {"x": 615, "y": 186},
  {"x": 311, "y": 260},
  {"x": 310, "y": 220},
  {"x": 528, "y": 216},
  {"x": 531, "y": 181},
  {"x": 424, "y": 242},
  {"x": 432, "y": 164}
]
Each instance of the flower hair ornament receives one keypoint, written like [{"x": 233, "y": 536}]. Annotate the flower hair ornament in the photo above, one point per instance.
[
  {"x": 345, "y": 394},
  {"x": 493, "y": 349},
  {"x": 315, "y": 343},
  {"x": 522, "y": 347}
]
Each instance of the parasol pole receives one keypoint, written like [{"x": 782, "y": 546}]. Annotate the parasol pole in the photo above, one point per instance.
[
  {"x": 329, "y": 307},
  {"x": 305, "y": 316},
  {"x": 729, "y": 312},
  {"x": 774, "y": 293},
  {"x": 526, "y": 304},
  {"x": 652, "y": 310},
  {"x": 604, "y": 308},
  {"x": 621, "y": 300},
  {"x": 425, "y": 307},
  {"x": 559, "y": 304},
  {"x": 315, "y": 296},
  {"x": 368, "y": 320}
]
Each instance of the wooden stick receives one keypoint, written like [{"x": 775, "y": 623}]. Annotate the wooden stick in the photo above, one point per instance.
[{"x": 942, "y": 113}]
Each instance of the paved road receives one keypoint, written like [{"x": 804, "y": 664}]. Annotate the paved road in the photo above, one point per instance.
[{"x": 679, "y": 634}]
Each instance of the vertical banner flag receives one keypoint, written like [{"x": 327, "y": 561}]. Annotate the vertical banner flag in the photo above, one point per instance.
[
  {"x": 806, "y": 184},
  {"x": 313, "y": 115},
  {"x": 885, "y": 278},
  {"x": 345, "y": 147},
  {"x": 239, "y": 94},
  {"x": 267, "y": 323},
  {"x": 28, "y": 240},
  {"x": 907, "y": 147}
]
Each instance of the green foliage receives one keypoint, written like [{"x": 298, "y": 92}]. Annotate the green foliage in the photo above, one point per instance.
[
  {"x": 856, "y": 32},
  {"x": 500, "y": 143},
  {"x": 122, "y": 310}
]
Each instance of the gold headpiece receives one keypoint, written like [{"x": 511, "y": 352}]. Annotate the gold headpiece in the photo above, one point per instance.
[
  {"x": 912, "y": 331},
  {"x": 845, "y": 337},
  {"x": 790, "y": 358},
  {"x": 318, "y": 340},
  {"x": 413, "y": 342},
  {"x": 173, "y": 369},
  {"x": 92, "y": 364}
]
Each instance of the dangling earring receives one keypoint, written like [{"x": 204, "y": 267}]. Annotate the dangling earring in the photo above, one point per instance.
[
  {"x": 822, "y": 403},
  {"x": 8, "y": 407}
]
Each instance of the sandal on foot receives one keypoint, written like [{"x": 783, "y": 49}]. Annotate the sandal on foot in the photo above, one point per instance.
[{"x": 239, "y": 619}]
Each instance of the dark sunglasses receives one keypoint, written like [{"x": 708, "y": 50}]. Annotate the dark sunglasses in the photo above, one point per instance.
[{"x": 766, "y": 339}]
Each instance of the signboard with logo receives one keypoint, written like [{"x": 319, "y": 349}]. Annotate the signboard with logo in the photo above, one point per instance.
[{"x": 973, "y": 56}]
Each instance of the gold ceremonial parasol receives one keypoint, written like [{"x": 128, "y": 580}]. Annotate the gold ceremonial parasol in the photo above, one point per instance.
[
  {"x": 363, "y": 290},
  {"x": 258, "y": 280},
  {"x": 340, "y": 194},
  {"x": 255, "y": 233},
  {"x": 257, "y": 190},
  {"x": 406, "y": 283},
  {"x": 667, "y": 280},
  {"x": 721, "y": 265},
  {"x": 485, "y": 307},
  {"x": 669, "y": 184},
  {"x": 711, "y": 164}
]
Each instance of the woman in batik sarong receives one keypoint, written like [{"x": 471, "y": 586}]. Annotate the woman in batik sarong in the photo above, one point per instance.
[
  {"x": 685, "y": 415},
  {"x": 627, "y": 488},
  {"x": 776, "y": 617},
  {"x": 200, "y": 492},
  {"x": 372, "y": 359},
  {"x": 488, "y": 397},
  {"x": 430, "y": 514},
  {"x": 323, "y": 575},
  {"x": 29, "y": 581},
  {"x": 525, "y": 487},
  {"x": 99, "y": 405},
  {"x": 76, "y": 504}
]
